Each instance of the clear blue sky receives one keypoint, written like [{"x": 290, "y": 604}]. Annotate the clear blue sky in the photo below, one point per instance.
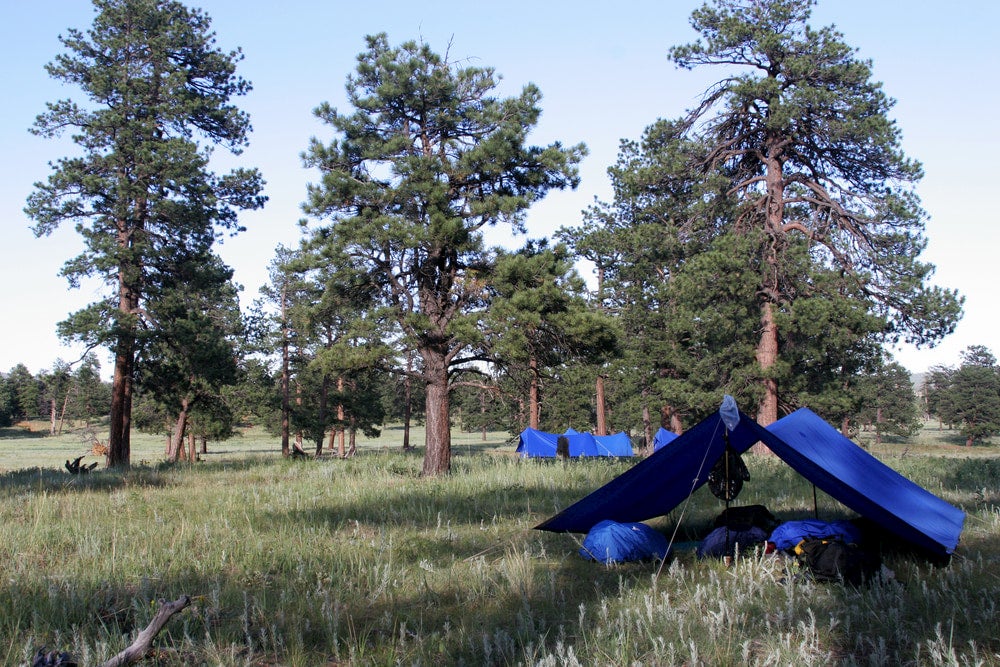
[{"x": 603, "y": 71}]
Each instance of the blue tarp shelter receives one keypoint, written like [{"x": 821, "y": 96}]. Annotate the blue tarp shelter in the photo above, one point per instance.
[
  {"x": 534, "y": 443},
  {"x": 813, "y": 448}
]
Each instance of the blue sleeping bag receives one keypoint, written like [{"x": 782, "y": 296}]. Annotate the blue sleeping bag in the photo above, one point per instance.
[
  {"x": 612, "y": 542},
  {"x": 790, "y": 533}
]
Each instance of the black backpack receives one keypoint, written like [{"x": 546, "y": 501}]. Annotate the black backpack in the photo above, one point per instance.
[{"x": 834, "y": 560}]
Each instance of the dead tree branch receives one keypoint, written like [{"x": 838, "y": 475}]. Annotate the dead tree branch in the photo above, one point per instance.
[{"x": 138, "y": 649}]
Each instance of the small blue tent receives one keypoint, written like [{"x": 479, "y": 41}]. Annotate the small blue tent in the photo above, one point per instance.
[
  {"x": 617, "y": 444},
  {"x": 813, "y": 448},
  {"x": 534, "y": 443},
  {"x": 662, "y": 438}
]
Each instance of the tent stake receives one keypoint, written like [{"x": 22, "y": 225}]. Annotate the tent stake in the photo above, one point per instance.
[{"x": 815, "y": 504}]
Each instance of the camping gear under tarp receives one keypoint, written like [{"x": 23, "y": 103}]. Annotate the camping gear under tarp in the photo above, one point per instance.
[
  {"x": 534, "y": 443},
  {"x": 813, "y": 448},
  {"x": 613, "y": 542},
  {"x": 726, "y": 541},
  {"x": 790, "y": 533},
  {"x": 662, "y": 437}
]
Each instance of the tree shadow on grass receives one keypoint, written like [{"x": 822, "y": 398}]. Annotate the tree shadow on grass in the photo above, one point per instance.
[
  {"x": 17, "y": 433},
  {"x": 60, "y": 480}
]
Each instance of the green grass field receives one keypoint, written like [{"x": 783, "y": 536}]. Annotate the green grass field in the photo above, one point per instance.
[{"x": 363, "y": 562}]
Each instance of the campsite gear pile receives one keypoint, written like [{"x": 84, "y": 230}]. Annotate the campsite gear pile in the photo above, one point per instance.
[
  {"x": 902, "y": 511},
  {"x": 825, "y": 551},
  {"x": 737, "y": 530}
]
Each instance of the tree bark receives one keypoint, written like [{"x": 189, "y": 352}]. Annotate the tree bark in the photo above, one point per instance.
[
  {"x": 767, "y": 346},
  {"x": 879, "y": 419},
  {"x": 341, "y": 451},
  {"x": 670, "y": 419},
  {"x": 767, "y": 355},
  {"x": 324, "y": 400},
  {"x": 602, "y": 417},
  {"x": 119, "y": 443},
  {"x": 533, "y": 408},
  {"x": 120, "y": 427},
  {"x": 352, "y": 440},
  {"x": 437, "y": 457},
  {"x": 177, "y": 435},
  {"x": 407, "y": 398},
  {"x": 298, "y": 404},
  {"x": 647, "y": 424},
  {"x": 285, "y": 407},
  {"x": 482, "y": 413},
  {"x": 62, "y": 414}
]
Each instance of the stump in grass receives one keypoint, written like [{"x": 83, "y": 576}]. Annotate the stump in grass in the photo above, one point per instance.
[{"x": 76, "y": 468}]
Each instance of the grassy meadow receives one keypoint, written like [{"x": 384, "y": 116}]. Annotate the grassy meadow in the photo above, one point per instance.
[{"x": 363, "y": 562}]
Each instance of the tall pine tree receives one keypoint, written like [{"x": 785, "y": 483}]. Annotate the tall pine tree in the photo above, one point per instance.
[
  {"x": 426, "y": 161},
  {"x": 141, "y": 189},
  {"x": 803, "y": 137}
]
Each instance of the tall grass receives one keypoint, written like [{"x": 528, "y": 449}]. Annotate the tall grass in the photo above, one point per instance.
[{"x": 363, "y": 562}]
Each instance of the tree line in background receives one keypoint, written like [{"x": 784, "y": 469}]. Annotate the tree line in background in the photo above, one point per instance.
[
  {"x": 964, "y": 397},
  {"x": 766, "y": 244}
]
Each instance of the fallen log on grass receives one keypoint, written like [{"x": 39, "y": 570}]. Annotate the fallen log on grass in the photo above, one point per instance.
[
  {"x": 138, "y": 649},
  {"x": 134, "y": 653}
]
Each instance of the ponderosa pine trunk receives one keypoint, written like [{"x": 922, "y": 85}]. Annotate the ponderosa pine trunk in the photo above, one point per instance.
[
  {"x": 177, "y": 435},
  {"x": 341, "y": 451},
  {"x": 407, "y": 398},
  {"x": 533, "y": 407},
  {"x": 62, "y": 413},
  {"x": 670, "y": 419},
  {"x": 647, "y": 424},
  {"x": 437, "y": 456},
  {"x": 767, "y": 355},
  {"x": 352, "y": 448},
  {"x": 767, "y": 346},
  {"x": 602, "y": 415},
  {"x": 286, "y": 448},
  {"x": 119, "y": 443},
  {"x": 324, "y": 399}
]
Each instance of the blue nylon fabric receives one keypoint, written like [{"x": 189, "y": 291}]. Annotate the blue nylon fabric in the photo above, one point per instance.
[
  {"x": 660, "y": 482},
  {"x": 613, "y": 542},
  {"x": 790, "y": 533},
  {"x": 662, "y": 437},
  {"x": 848, "y": 473},
  {"x": 813, "y": 448},
  {"x": 534, "y": 443}
]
